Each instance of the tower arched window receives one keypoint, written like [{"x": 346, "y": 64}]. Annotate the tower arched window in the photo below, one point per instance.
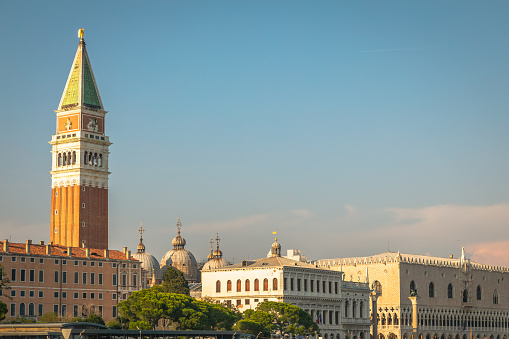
[
  {"x": 465, "y": 296},
  {"x": 274, "y": 284},
  {"x": 449, "y": 291},
  {"x": 59, "y": 159},
  {"x": 100, "y": 164},
  {"x": 74, "y": 157},
  {"x": 247, "y": 285},
  {"x": 479, "y": 292},
  {"x": 256, "y": 285},
  {"x": 265, "y": 284},
  {"x": 239, "y": 285},
  {"x": 229, "y": 286},
  {"x": 495, "y": 297},
  {"x": 85, "y": 158},
  {"x": 413, "y": 290},
  {"x": 218, "y": 286},
  {"x": 431, "y": 290}
]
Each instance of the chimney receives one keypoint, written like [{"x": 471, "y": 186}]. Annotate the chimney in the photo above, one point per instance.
[
  {"x": 87, "y": 252},
  {"x": 128, "y": 255},
  {"x": 48, "y": 249},
  {"x": 124, "y": 249},
  {"x": 41, "y": 242},
  {"x": 6, "y": 245},
  {"x": 69, "y": 251},
  {"x": 106, "y": 254},
  {"x": 29, "y": 242}
]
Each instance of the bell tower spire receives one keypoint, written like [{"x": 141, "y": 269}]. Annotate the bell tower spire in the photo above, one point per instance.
[{"x": 80, "y": 150}]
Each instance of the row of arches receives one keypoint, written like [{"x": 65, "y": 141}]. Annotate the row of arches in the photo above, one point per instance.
[
  {"x": 442, "y": 336},
  {"x": 69, "y": 158},
  {"x": 94, "y": 159},
  {"x": 247, "y": 285},
  {"x": 345, "y": 336},
  {"x": 354, "y": 309},
  {"x": 66, "y": 158}
]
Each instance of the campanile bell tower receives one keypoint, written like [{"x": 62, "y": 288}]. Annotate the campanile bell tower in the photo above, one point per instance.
[{"x": 79, "y": 171}]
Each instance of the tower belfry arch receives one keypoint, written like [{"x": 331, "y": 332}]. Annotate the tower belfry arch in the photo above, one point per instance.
[{"x": 80, "y": 152}]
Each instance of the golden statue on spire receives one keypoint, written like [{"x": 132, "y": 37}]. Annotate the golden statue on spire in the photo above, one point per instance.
[{"x": 81, "y": 32}]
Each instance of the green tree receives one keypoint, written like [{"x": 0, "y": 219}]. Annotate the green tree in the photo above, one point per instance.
[
  {"x": 3, "y": 310},
  {"x": 4, "y": 281},
  {"x": 174, "y": 282},
  {"x": 94, "y": 318},
  {"x": 147, "y": 307},
  {"x": 49, "y": 317},
  {"x": 275, "y": 317}
]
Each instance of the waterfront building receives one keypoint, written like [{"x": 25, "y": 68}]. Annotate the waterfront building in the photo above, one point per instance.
[
  {"x": 79, "y": 170},
  {"x": 341, "y": 308},
  {"x": 432, "y": 297},
  {"x": 69, "y": 281}
]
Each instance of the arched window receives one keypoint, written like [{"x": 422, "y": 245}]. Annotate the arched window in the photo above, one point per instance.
[
  {"x": 346, "y": 308},
  {"x": 449, "y": 291},
  {"x": 59, "y": 159},
  {"x": 257, "y": 285},
  {"x": 218, "y": 286},
  {"x": 354, "y": 309},
  {"x": 465, "y": 296},
  {"x": 246, "y": 287},
  {"x": 274, "y": 284},
  {"x": 479, "y": 292},
  {"x": 265, "y": 284},
  {"x": 431, "y": 290},
  {"x": 22, "y": 309},
  {"x": 74, "y": 157},
  {"x": 361, "y": 309},
  {"x": 31, "y": 309},
  {"x": 239, "y": 285},
  {"x": 85, "y": 158},
  {"x": 229, "y": 286},
  {"x": 413, "y": 290},
  {"x": 377, "y": 286},
  {"x": 495, "y": 297}
]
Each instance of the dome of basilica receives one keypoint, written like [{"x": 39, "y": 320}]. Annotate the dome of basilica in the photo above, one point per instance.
[
  {"x": 180, "y": 258},
  {"x": 148, "y": 261},
  {"x": 215, "y": 258}
]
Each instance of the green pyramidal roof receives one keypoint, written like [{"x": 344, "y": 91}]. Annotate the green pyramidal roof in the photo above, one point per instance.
[{"x": 81, "y": 89}]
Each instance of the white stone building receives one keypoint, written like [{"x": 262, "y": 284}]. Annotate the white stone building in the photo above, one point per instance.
[
  {"x": 340, "y": 308},
  {"x": 456, "y": 298}
]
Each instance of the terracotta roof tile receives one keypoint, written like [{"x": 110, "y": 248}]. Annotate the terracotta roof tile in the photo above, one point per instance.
[{"x": 61, "y": 251}]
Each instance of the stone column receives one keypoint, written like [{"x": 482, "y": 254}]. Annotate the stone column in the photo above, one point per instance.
[
  {"x": 415, "y": 316},
  {"x": 374, "y": 314}
]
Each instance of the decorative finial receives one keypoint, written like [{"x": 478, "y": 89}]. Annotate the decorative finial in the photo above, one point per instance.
[
  {"x": 275, "y": 232},
  {"x": 141, "y": 230},
  {"x": 217, "y": 240},
  {"x": 81, "y": 32},
  {"x": 179, "y": 225},
  {"x": 211, "y": 242}
]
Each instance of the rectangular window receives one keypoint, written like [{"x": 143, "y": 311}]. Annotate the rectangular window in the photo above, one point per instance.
[
  {"x": 56, "y": 261},
  {"x": 55, "y": 294},
  {"x": 31, "y": 275},
  {"x": 76, "y": 277},
  {"x": 298, "y": 285},
  {"x": 56, "y": 276},
  {"x": 92, "y": 295},
  {"x": 13, "y": 293},
  {"x": 64, "y": 262},
  {"x": 64, "y": 277},
  {"x": 114, "y": 279},
  {"x": 336, "y": 287},
  {"x": 100, "y": 278},
  {"x": 330, "y": 287},
  {"x": 23, "y": 259},
  {"x": 100, "y": 296},
  {"x": 323, "y": 285},
  {"x": 64, "y": 310},
  {"x": 92, "y": 263},
  {"x": 41, "y": 276},
  {"x": 13, "y": 274},
  {"x": 13, "y": 259},
  {"x": 318, "y": 286},
  {"x": 100, "y": 264},
  {"x": 135, "y": 280},
  {"x": 39, "y": 310},
  {"x": 13, "y": 310},
  {"x": 100, "y": 310},
  {"x": 22, "y": 275},
  {"x": 31, "y": 260},
  {"x": 114, "y": 313},
  {"x": 31, "y": 294},
  {"x": 92, "y": 278},
  {"x": 114, "y": 265},
  {"x": 76, "y": 295},
  {"x": 41, "y": 294},
  {"x": 124, "y": 279},
  {"x": 114, "y": 296},
  {"x": 84, "y": 278},
  {"x": 284, "y": 283},
  {"x": 239, "y": 302},
  {"x": 312, "y": 285},
  {"x": 75, "y": 310},
  {"x": 22, "y": 293},
  {"x": 291, "y": 284},
  {"x": 64, "y": 295},
  {"x": 55, "y": 309},
  {"x": 84, "y": 295},
  {"x": 247, "y": 301},
  {"x": 76, "y": 263},
  {"x": 41, "y": 261},
  {"x": 84, "y": 263},
  {"x": 305, "y": 285}
]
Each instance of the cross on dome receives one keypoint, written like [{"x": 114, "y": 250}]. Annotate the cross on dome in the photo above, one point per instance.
[{"x": 141, "y": 230}]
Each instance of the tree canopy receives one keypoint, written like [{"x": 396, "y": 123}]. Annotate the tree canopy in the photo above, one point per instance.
[
  {"x": 275, "y": 317},
  {"x": 145, "y": 308},
  {"x": 174, "y": 282}
]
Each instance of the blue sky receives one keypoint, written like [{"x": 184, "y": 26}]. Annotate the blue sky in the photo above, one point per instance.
[{"x": 350, "y": 127}]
